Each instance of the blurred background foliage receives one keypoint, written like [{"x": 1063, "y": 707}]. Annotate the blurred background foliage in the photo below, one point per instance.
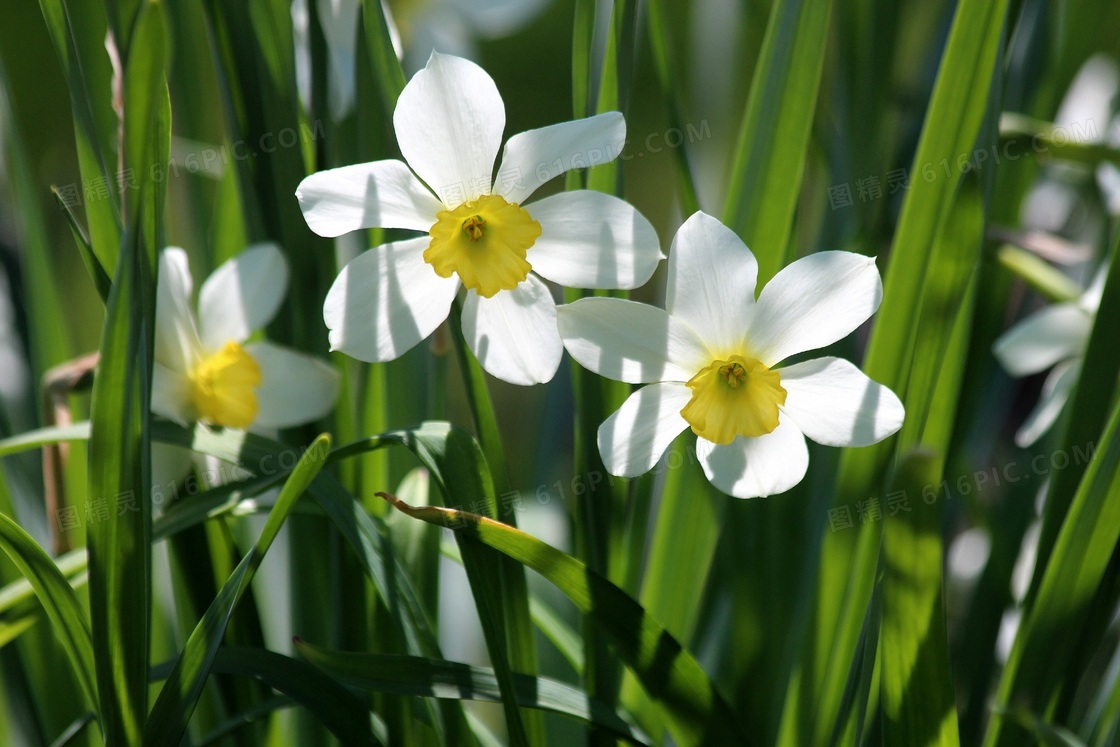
[{"x": 755, "y": 589}]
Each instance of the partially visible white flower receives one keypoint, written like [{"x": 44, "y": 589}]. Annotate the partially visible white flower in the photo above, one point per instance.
[
  {"x": 339, "y": 21},
  {"x": 713, "y": 356},
  {"x": 449, "y": 121},
  {"x": 1053, "y": 336},
  {"x": 450, "y": 26},
  {"x": 453, "y": 26},
  {"x": 206, "y": 371}
]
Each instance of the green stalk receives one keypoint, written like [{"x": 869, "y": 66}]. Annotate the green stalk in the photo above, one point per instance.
[{"x": 515, "y": 591}]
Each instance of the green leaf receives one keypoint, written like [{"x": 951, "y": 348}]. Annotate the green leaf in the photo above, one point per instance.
[
  {"x": 458, "y": 467},
  {"x": 177, "y": 699},
  {"x": 78, "y": 32},
  {"x": 1052, "y": 627},
  {"x": 952, "y": 124},
  {"x": 68, "y": 618},
  {"x": 97, "y": 273},
  {"x": 383, "y": 61},
  {"x": 915, "y": 684},
  {"x": 410, "y": 675},
  {"x": 666, "y": 669},
  {"x": 119, "y": 473},
  {"x": 1088, "y": 407},
  {"x": 344, "y": 715},
  {"x": 770, "y": 158},
  {"x": 44, "y": 437}
]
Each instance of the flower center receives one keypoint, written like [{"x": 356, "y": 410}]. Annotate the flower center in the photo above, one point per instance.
[
  {"x": 222, "y": 387},
  {"x": 484, "y": 242},
  {"x": 735, "y": 397}
]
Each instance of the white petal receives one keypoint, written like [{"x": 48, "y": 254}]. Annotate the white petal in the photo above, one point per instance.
[
  {"x": 593, "y": 240},
  {"x": 513, "y": 334},
  {"x": 242, "y": 295},
  {"x": 836, "y": 404},
  {"x": 1043, "y": 339},
  {"x": 295, "y": 388},
  {"x": 712, "y": 275},
  {"x": 449, "y": 121},
  {"x": 534, "y": 157},
  {"x": 386, "y": 301},
  {"x": 381, "y": 194},
  {"x": 177, "y": 342},
  {"x": 637, "y": 434},
  {"x": 813, "y": 302},
  {"x": 171, "y": 394},
  {"x": 756, "y": 467},
  {"x": 1055, "y": 392},
  {"x": 630, "y": 341}
]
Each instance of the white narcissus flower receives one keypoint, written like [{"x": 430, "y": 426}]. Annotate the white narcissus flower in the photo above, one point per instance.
[
  {"x": 206, "y": 371},
  {"x": 449, "y": 121},
  {"x": 713, "y": 359},
  {"x": 1058, "y": 335}
]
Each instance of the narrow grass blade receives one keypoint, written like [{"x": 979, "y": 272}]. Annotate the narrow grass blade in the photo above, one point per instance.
[
  {"x": 1088, "y": 407},
  {"x": 176, "y": 701},
  {"x": 916, "y": 688},
  {"x": 63, "y": 609},
  {"x": 953, "y": 120},
  {"x": 337, "y": 708},
  {"x": 1053, "y": 625},
  {"x": 410, "y": 675},
  {"x": 766, "y": 174},
  {"x": 670, "y": 674}
]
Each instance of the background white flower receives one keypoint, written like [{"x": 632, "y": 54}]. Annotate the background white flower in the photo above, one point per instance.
[
  {"x": 714, "y": 353},
  {"x": 1057, "y": 335},
  {"x": 205, "y": 370},
  {"x": 427, "y": 25},
  {"x": 449, "y": 121}
]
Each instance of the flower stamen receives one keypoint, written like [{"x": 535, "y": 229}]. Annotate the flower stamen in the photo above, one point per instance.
[
  {"x": 736, "y": 397},
  {"x": 472, "y": 226}
]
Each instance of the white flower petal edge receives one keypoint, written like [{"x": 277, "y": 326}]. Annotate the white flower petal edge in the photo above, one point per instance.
[
  {"x": 1044, "y": 338},
  {"x": 381, "y": 194},
  {"x": 295, "y": 388},
  {"x": 630, "y": 341},
  {"x": 177, "y": 340},
  {"x": 534, "y": 157},
  {"x": 242, "y": 295},
  {"x": 514, "y": 334},
  {"x": 593, "y": 240},
  {"x": 712, "y": 275},
  {"x": 632, "y": 440},
  {"x": 813, "y": 302},
  {"x": 449, "y": 121},
  {"x": 1055, "y": 392},
  {"x": 756, "y": 467},
  {"x": 386, "y": 301},
  {"x": 835, "y": 404}
]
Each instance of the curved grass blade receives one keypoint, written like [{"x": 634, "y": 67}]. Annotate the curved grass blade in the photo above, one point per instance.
[
  {"x": 410, "y": 675},
  {"x": 61, "y": 604},
  {"x": 344, "y": 715},
  {"x": 172, "y": 709},
  {"x": 44, "y": 437},
  {"x": 698, "y": 713}
]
